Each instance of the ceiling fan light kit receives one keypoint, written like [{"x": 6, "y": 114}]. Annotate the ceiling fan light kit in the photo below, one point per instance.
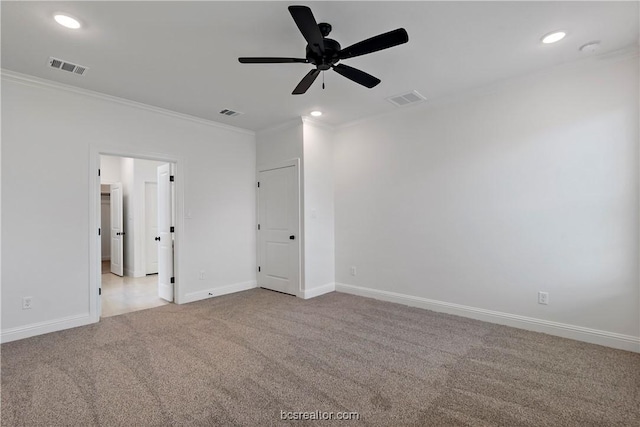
[{"x": 325, "y": 53}]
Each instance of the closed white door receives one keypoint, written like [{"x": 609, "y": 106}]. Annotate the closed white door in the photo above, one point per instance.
[
  {"x": 151, "y": 226},
  {"x": 117, "y": 230},
  {"x": 165, "y": 243},
  {"x": 278, "y": 239}
]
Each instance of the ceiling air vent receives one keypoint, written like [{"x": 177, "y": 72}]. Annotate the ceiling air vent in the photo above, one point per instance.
[
  {"x": 67, "y": 66},
  {"x": 409, "y": 98},
  {"x": 230, "y": 113}
]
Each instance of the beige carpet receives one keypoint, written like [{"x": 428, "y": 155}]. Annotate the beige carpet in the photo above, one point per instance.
[{"x": 242, "y": 358}]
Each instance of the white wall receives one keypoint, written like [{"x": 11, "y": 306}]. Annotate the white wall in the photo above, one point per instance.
[
  {"x": 109, "y": 169},
  {"x": 484, "y": 201},
  {"x": 280, "y": 144},
  {"x": 318, "y": 208},
  {"x": 48, "y": 133},
  {"x": 277, "y": 145},
  {"x": 313, "y": 145}
]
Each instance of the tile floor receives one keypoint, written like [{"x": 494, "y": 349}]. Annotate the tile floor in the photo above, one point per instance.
[{"x": 125, "y": 294}]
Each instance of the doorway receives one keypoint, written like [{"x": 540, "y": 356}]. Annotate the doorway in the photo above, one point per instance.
[{"x": 137, "y": 249}]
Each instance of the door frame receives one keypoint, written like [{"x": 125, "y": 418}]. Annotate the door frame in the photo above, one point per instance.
[
  {"x": 95, "y": 261},
  {"x": 300, "y": 242}
]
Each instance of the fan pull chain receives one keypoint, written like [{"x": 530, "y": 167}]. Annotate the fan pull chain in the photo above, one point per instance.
[{"x": 323, "y": 80}]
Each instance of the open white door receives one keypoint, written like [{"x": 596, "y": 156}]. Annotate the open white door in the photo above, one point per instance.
[
  {"x": 278, "y": 218},
  {"x": 151, "y": 227},
  {"x": 117, "y": 230},
  {"x": 165, "y": 245}
]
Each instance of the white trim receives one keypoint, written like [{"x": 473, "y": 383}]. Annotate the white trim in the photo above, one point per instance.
[
  {"x": 219, "y": 291},
  {"x": 278, "y": 165},
  {"x": 579, "y": 333},
  {"x": 315, "y": 122},
  {"x": 95, "y": 273},
  {"x": 498, "y": 86},
  {"x": 282, "y": 126},
  {"x": 40, "y": 82},
  {"x": 318, "y": 290},
  {"x": 40, "y": 328},
  {"x": 296, "y": 122}
]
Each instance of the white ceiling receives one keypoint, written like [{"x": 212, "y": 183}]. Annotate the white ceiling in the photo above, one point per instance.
[{"x": 182, "y": 56}]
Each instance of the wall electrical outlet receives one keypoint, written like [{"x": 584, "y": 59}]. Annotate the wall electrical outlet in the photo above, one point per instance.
[
  {"x": 201, "y": 277},
  {"x": 27, "y": 303},
  {"x": 543, "y": 298},
  {"x": 353, "y": 270}
]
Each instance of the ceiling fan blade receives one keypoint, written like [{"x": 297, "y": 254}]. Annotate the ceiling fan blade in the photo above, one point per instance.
[
  {"x": 356, "y": 75},
  {"x": 374, "y": 44},
  {"x": 308, "y": 26},
  {"x": 306, "y": 82},
  {"x": 268, "y": 60}
]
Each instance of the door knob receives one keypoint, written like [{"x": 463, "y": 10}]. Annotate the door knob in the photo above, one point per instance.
[
  {"x": 292, "y": 237},
  {"x": 157, "y": 239}
]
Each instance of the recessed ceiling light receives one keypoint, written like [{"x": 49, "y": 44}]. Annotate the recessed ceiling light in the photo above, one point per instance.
[
  {"x": 67, "y": 21},
  {"x": 316, "y": 113},
  {"x": 556, "y": 36}
]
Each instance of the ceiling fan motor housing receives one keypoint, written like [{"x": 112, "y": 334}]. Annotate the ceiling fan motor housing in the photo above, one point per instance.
[
  {"x": 325, "y": 53},
  {"x": 328, "y": 58}
]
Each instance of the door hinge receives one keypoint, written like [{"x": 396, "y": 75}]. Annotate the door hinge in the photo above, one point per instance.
[
  {"x": 98, "y": 172},
  {"x": 258, "y": 268},
  {"x": 99, "y": 291},
  {"x": 98, "y": 232},
  {"x": 258, "y": 226},
  {"x": 172, "y": 229},
  {"x": 258, "y": 184},
  {"x": 173, "y": 280},
  {"x": 171, "y": 178}
]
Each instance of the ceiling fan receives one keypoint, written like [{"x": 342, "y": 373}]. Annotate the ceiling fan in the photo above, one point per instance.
[{"x": 325, "y": 53}]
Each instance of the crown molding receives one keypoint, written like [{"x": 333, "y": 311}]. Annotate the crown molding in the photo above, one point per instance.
[
  {"x": 296, "y": 122},
  {"x": 627, "y": 53},
  {"x": 314, "y": 122},
  {"x": 30, "y": 80},
  {"x": 282, "y": 126}
]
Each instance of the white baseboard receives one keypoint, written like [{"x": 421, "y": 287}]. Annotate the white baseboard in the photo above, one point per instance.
[
  {"x": 318, "y": 290},
  {"x": 218, "y": 291},
  {"x": 594, "y": 336},
  {"x": 40, "y": 328}
]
